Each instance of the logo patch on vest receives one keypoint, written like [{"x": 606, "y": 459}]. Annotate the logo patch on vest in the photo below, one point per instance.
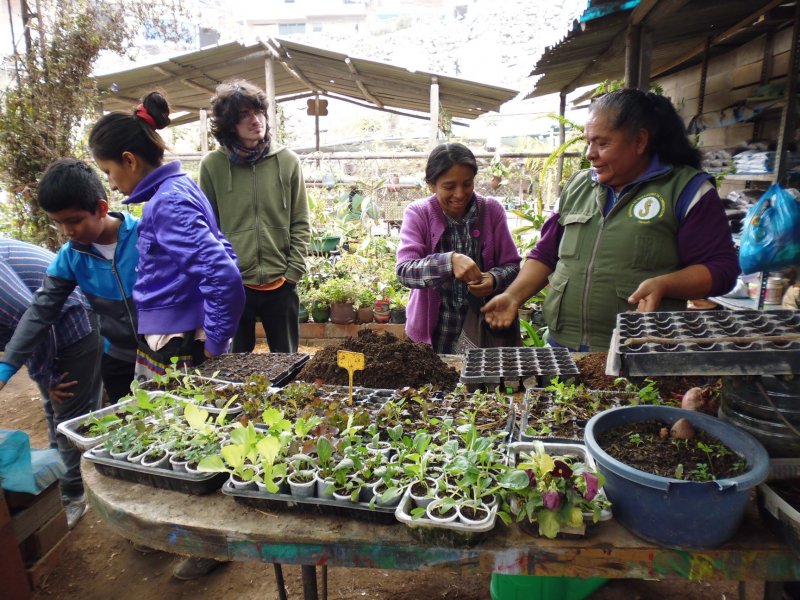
[{"x": 647, "y": 208}]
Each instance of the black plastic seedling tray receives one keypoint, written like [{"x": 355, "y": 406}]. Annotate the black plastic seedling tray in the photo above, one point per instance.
[
  {"x": 165, "y": 479},
  {"x": 319, "y": 506},
  {"x": 223, "y": 367},
  {"x": 510, "y": 367},
  {"x": 747, "y": 342}
]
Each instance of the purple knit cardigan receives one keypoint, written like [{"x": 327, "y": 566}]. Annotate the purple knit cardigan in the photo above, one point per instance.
[{"x": 424, "y": 223}]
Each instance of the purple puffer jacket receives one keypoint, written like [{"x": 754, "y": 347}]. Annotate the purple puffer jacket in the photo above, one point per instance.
[
  {"x": 188, "y": 276},
  {"x": 424, "y": 223}
]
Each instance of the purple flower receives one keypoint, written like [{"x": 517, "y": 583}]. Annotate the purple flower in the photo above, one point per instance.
[
  {"x": 531, "y": 477},
  {"x": 591, "y": 486},
  {"x": 552, "y": 499},
  {"x": 561, "y": 469}
]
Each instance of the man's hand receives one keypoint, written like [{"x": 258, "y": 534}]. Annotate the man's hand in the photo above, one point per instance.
[
  {"x": 465, "y": 269},
  {"x": 482, "y": 288},
  {"x": 58, "y": 393},
  {"x": 500, "y": 311},
  {"x": 648, "y": 295}
]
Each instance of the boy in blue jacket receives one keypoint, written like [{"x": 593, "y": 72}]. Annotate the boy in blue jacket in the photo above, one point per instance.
[{"x": 100, "y": 258}]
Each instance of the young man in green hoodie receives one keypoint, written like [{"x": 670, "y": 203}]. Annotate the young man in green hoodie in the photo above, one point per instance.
[{"x": 258, "y": 194}]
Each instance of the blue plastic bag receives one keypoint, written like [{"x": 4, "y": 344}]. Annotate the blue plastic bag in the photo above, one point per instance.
[{"x": 771, "y": 233}]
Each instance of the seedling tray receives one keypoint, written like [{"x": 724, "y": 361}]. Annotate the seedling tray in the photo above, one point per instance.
[
  {"x": 747, "y": 342},
  {"x": 571, "y": 430},
  {"x": 455, "y": 534},
  {"x": 319, "y": 506},
  {"x": 228, "y": 367},
  {"x": 561, "y": 449},
  {"x": 508, "y": 368},
  {"x": 71, "y": 428},
  {"x": 165, "y": 479}
]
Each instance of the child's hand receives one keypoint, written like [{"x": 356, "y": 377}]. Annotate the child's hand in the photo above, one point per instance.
[{"x": 58, "y": 392}]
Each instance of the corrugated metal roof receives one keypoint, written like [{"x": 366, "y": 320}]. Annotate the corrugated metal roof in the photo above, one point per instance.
[
  {"x": 593, "y": 52},
  {"x": 189, "y": 80}
]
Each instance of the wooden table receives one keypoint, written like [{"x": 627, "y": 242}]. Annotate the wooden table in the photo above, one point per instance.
[{"x": 217, "y": 526}]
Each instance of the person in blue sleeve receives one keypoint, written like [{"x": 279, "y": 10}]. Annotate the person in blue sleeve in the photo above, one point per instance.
[
  {"x": 63, "y": 360},
  {"x": 189, "y": 293},
  {"x": 100, "y": 257}
]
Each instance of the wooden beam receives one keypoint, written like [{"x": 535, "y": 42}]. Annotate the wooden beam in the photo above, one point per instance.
[
  {"x": 284, "y": 59},
  {"x": 434, "y": 113},
  {"x": 786, "y": 129},
  {"x": 716, "y": 39},
  {"x": 269, "y": 80},
  {"x": 633, "y": 38},
  {"x": 197, "y": 86},
  {"x": 360, "y": 85},
  {"x": 384, "y": 109}
]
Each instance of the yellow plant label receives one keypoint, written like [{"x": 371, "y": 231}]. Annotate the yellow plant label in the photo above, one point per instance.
[{"x": 351, "y": 361}]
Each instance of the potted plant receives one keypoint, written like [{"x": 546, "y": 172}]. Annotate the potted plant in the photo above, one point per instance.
[
  {"x": 397, "y": 308},
  {"x": 556, "y": 492},
  {"x": 380, "y": 309},
  {"x": 341, "y": 295},
  {"x": 675, "y": 510},
  {"x": 320, "y": 307},
  {"x": 365, "y": 299},
  {"x": 498, "y": 172}
]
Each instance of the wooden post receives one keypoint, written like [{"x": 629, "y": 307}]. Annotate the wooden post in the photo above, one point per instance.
[
  {"x": 645, "y": 52},
  {"x": 786, "y": 130},
  {"x": 272, "y": 111},
  {"x": 434, "y": 128},
  {"x": 632, "y": 52},
  {"x": 316, "y": 119},
  {"x": 203, "y": 131}
]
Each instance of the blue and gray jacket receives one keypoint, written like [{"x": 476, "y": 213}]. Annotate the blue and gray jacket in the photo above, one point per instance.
[{"x": 106, "y": 284}]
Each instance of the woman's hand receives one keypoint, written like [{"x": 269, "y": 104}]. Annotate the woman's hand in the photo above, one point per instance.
[
  {"x": 500, "y": 311},
  {"x": 482, "y": 288},
  {"x": 648, "y": 295},
  {"x": 465, "y": 269}
]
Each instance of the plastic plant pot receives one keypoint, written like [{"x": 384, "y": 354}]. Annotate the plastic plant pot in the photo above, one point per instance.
[{"x": 673, "y": 512}]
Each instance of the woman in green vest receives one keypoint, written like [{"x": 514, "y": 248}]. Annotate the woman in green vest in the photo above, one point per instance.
[{"x": 642, "y": 229}]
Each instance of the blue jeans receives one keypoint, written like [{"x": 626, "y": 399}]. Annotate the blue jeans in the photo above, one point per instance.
[{"x": 81, "y": 361}]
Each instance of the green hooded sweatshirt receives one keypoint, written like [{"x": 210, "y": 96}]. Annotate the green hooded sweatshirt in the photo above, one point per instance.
[{"x": 263, "y": 211}]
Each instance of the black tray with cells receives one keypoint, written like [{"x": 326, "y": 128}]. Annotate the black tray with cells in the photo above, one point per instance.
[
  {"x": 509, "y": 368},
  {"x": 747, "y": 342}
]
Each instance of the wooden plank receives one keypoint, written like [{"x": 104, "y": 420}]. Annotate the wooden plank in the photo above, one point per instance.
[
  {"x": 751, "y": 52},
  {"x": 14, "y": 582},
  {"x": 746, "y": 75},
  {"x": 41, "y": 541},
  {"x": 28, "y": 520},
  {"x": 45, "y": 565}
]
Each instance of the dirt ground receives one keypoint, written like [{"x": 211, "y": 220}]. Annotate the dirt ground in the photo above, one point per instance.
[{"x": 96, "y": 564}]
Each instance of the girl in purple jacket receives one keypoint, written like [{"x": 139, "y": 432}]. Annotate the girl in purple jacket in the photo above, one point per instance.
[
  {"x": 188, "y": 292},
  {"x": 439, "y": 247}
]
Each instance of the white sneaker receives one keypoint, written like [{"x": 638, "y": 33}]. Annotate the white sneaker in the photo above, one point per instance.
[{"x": 75, "y": 509}]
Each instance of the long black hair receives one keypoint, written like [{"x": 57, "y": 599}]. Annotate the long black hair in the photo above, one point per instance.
[
  {"x": 134, "y": 132},
  {"x": 445, "y": 156},
  {"x": 632, "y": 110}
]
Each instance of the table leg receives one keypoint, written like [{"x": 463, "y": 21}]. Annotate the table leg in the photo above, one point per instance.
[
  {"x": 279, "y": 581},
  {"x": 309, "y": 582}
]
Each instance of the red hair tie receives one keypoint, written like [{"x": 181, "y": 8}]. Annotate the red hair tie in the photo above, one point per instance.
[{"x": 145, "y": 116}]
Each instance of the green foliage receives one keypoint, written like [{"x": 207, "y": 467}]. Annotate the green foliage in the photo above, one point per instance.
[{"x": 53, "y": 94}]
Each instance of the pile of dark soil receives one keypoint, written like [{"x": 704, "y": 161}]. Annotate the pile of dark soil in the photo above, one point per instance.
[
  {"x": 641, "y": 446},
  {"x": 593, "y": 372},
  {"x": 390, "y": 363}
]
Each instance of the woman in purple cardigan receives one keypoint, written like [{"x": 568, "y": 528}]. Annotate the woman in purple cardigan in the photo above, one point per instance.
[{"x": 439, "y": 246}]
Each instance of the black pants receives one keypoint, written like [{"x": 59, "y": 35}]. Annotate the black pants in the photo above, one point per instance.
[
  {"x": 117, "y": 377},
  {"x": 277, "y": 310}
]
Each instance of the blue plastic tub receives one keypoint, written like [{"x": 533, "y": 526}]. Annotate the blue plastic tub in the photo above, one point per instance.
[
  {"x": 673, "y": 512},
  {"x": 528, "y": 587}
]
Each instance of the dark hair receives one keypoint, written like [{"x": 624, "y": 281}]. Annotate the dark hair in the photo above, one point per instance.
[
  {"x": 70, "y": 183},
  {"x": 135, "y": 132},
  {"x": 233, "y": 97},
  {"x": 445, "y": 156},
  {"x": 632, "y": 110}
]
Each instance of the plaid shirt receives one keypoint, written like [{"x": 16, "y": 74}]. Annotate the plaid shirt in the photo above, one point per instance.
[
  {"x": 436, "y": 270},
  {"x": 22, "y": 271}
]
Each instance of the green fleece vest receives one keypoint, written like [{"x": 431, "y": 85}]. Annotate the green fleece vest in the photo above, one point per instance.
[{"x": 602, "y": 260}]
